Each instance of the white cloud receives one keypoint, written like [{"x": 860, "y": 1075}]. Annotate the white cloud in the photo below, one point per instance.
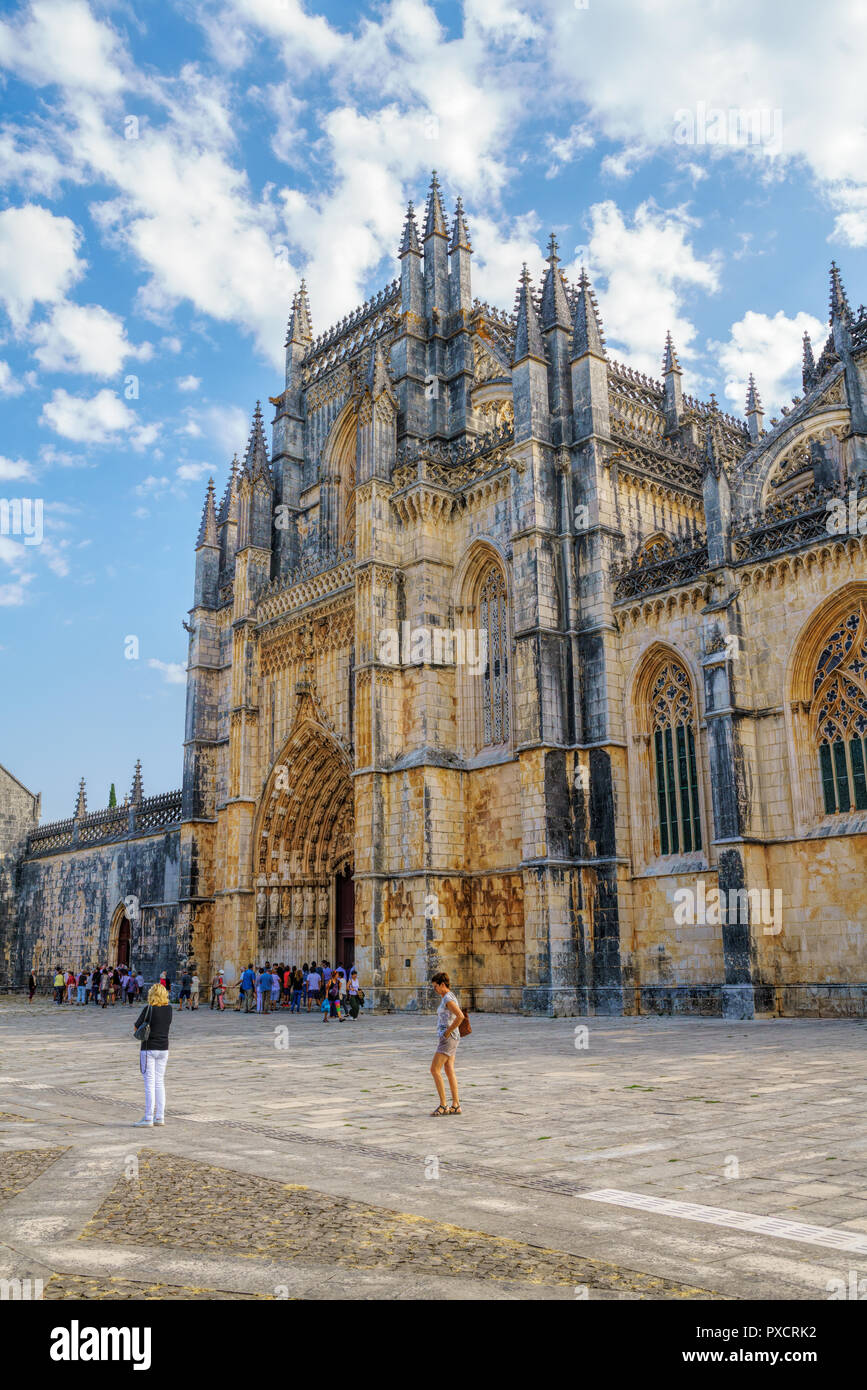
[
  {"x": 83, "y": 338},
  {"x": 14, "y": 468},
  {"x": 157, "y": 486},
  {"x": 38, "y": 259},
  {"x": 19, "y": 560},
  {"x": 9, "y": 384},
  {"x": 152, "y": 485},
  {"x": 850, "y": 226},
  {"x": 769, "y": 346},
  {"x": 193, "y": 472},
  {"x": 60, "y": 41},
  {"x": 499, "y": 253},
  {"x": 562, "y": 150},
  {"x": 174, "y": 672},
  {"x": 674, "y": 58},
  {"x": 61, "y": 458},
  {"x": 228, "y": 426},
  {"x": 649, "y": 265},
  {"x": 188, "y": 383},
  {"x": 623, "y": 164},
  {"x": 14, "y": 594},
  {"x": 100, "y": 419}
]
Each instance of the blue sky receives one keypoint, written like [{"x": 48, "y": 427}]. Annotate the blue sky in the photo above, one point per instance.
[{"x": 170, "y": 171}]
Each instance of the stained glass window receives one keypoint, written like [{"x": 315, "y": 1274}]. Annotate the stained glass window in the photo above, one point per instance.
[
  {"x": 839, "y": 709},
  {"x": 493, "y": 622},
  {"x": 674, "y": 761}
]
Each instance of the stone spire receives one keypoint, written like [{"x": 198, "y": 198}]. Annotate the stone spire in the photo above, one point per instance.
[
  {"x": 839, "y": 303},
  {"x": 378, "y": 376},
  {"x": 460, "y": 234},
  {"x": 669, "y": 360},
  {"x": 300, "y": 327},
  {"x": 256, "y": 464},
  {"x": 229, "y": 505},
  {"x": 672, "y": 387},
  {"x": 755, "y": 414},
  {"x": 208, "y": 525},
  {"x": 712, "y": 463},
  {"x": 555, "y": 305},
  {"x": 435, "y": 219},
  {"x": 409, "y": 241},
  {"x": 716, "y": 495},
  {"x": 136, "y": 796},
  {"x": 81, "y": 804},
  {"x": 808, "y": 368},
  {"x": 587, "y": 335},
  {"x": 528, "y": 334}
]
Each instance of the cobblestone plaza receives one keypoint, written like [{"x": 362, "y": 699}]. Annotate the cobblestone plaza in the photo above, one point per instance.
[{"x": 300, "y": 1161}]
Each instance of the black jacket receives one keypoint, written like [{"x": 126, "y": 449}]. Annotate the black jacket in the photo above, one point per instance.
[{"x": 161, "y": 1022}]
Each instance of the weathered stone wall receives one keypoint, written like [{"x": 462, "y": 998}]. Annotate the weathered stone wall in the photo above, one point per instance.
[
  {"x": 19, "y": 814},
  {"x": 67, "y": 901},
  {"x": 810, "y": 957}
]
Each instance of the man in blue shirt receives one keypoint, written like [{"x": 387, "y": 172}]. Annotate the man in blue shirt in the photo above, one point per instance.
[
  {"x": 263, "y": 991},
  {"x": 248, "y": 980}
]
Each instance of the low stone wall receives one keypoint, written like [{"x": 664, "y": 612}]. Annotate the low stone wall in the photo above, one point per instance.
[{"x": 67, "y": 901}]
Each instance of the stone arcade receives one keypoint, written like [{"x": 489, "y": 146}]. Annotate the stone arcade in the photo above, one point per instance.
[{"x": 673, "y": 694}]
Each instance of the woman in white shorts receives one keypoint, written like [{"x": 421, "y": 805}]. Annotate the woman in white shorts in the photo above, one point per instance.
[{"x": 449, "y": 1019}]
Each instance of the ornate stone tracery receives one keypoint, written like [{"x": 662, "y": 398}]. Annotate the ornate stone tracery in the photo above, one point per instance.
[{"x": 839, "y": 712}]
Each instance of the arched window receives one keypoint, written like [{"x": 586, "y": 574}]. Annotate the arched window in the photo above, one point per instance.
[
  {"x": 676, "y": 778},
  {"x": 494, "y": 631},
  {"x": 839, "y": 709}
]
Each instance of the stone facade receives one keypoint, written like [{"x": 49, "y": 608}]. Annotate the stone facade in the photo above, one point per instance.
[
  {"x": 85, "y": 881},
  {"x": 508, "y": 660},
  {"x": 19, "y": 815}
]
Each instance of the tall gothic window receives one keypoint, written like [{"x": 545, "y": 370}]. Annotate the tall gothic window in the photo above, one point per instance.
[
  {"x": 840, "y": 714},
  {"x": 673, "y": 738},
  {"x": 493, "y": 621}
]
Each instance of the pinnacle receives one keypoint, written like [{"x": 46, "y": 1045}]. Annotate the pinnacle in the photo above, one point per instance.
[
  {"x": 808, "y": 369},
  {"x": 587, "y": 335},
  {"x": 378, "y": 377},
  {"x": 712, "y": 461},
  {"x": 460, "y": 234},
  {"x": 81, "y": 804},
  {"x": 754, "y": 400},
  {"x": 839, "y": 302},
  {"x": 137, "y": 794},
  {"x": 435, "y": 219},
  {"x": 669, "y": 361},
  {"x": 409, "y": 241},
  {"x": 555, "y": 305},
  {"x": 208, "y": 525},
  {"x": 256, "y": 464},
  {"x": 227, "y": 511},
  {"x": 300, "y": 326},
  {"x": 528, "y": 334}
]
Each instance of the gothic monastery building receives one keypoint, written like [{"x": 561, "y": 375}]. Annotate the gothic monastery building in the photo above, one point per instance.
[{"x": 508, "y": 660}]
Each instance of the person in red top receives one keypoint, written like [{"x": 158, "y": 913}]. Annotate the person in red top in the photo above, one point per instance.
[{"x": 287, "y": 986}]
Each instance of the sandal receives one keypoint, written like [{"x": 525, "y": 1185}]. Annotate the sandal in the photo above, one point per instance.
[
  {"x": 455, "y": 1108},
  {"x": 440, "y": 1110}
]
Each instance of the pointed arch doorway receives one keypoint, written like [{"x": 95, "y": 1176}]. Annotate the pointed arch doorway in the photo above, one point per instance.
[
  {"x": 344, "y": 943},
  {"x": 120, "y": 937},
  {"x": 303, "y": 848}
]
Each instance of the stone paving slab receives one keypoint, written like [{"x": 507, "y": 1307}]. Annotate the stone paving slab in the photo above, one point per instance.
[{"x": 709, "y": 1112}]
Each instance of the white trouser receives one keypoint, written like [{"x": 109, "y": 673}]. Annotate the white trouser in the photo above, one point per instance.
[{"x": 153, "y": 1065}]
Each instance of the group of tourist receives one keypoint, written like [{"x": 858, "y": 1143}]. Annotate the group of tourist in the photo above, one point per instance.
[
  {"x": 334, "y": 991},
  {"x": 103, "y": 985}
]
